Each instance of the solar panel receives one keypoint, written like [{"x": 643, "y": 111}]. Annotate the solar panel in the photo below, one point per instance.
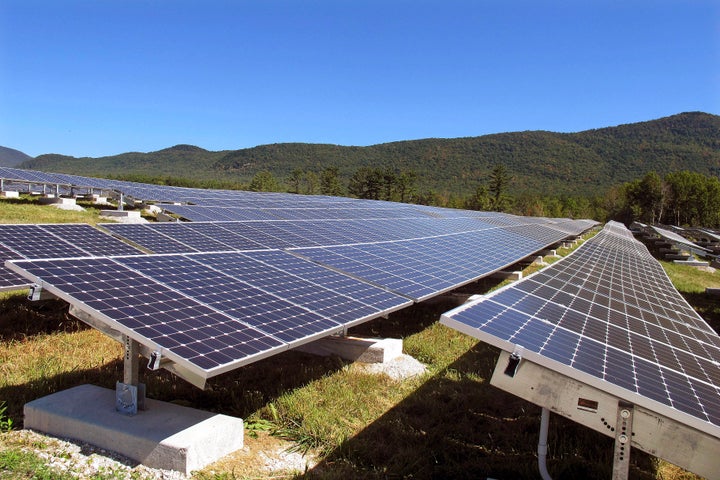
[
  {"x": 608, "y": 315},
  {"x": 213, "y": 312}
]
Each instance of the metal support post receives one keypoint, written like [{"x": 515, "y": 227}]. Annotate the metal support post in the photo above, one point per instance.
[
  {"x": 121, "y": 201},
  {"x": 623, "y": 438},
  {"x": 130, "y": 393}
]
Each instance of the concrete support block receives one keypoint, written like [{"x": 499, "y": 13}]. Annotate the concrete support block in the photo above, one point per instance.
[
  {"x": 120, "y": 213},
  {"x": 366, "y": 350},
  {"x": 515, "y": 275},
  {"x": 52, "y": 199},
  {"x": 165, "y": 435},
  {"x": 10, "y": 194},
  {"x": 153, "y": 209}
]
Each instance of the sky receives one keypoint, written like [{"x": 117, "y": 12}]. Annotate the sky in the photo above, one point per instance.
[{"x": 103, "y": 77}]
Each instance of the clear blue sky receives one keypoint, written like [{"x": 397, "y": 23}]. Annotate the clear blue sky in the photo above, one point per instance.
[{"x": 102, "y": 77}]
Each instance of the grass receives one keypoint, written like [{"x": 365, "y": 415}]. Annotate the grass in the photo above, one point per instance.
[
  {"x": 26, "y": 210},
  {"x": 448, "y": 423},
  {"x": 20, "y": 464},
  {"x": 691, "y": 283}
]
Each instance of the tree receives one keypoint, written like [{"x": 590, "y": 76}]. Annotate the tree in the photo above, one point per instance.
[
  {"x": 499, "y": 182},
  {"x": 330, "y": 182},
  {"x": 294, "y": 180},
  {"x": 264, "y": 181},
  {"x": 645, "y": 198},
  {"x": 407, "y": 186},
  {"x": 311, "y": 183},
  {"x": 480, "y": 200},
  {"x": 366, "y": 183}
]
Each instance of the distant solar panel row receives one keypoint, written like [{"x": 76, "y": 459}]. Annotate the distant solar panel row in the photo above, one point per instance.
[
  {"x": 53, "y": 241},
  {"x": 609, "y": 316},
  {"x": 214, "y": 312},
  {"x": 176, "y": 237}
]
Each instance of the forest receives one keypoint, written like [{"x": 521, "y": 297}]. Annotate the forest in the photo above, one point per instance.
[{"x": 541, "y": 163}]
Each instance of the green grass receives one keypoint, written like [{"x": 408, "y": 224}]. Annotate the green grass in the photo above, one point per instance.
[
  {"x": 691, "y": 283},
  {"x": 19, "y": 464}
]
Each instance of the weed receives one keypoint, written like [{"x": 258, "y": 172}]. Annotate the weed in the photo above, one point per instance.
[{"x": 6, "y": 423}]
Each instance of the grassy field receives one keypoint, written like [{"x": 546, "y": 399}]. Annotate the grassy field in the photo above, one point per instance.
[{"x": 447, "y": 423}]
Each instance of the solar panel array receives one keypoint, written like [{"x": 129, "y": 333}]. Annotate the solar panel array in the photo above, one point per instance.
[
  {"x": 218, "y": 294},
  {"x": 53, "y": 241},
  {"x": 609, "y": 316},
  {"x": 217, "y": 311}
]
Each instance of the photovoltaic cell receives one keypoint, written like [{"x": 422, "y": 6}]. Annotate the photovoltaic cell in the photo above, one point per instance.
[{"x": 610, "y": 312}]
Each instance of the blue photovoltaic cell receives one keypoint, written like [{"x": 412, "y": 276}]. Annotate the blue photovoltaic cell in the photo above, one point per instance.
[{"x": 610, "y": 312}]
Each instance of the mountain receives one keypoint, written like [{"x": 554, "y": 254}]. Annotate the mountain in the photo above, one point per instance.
[
  {"x": 9, "y": 157},
  {"x": 542, "y": 162}
]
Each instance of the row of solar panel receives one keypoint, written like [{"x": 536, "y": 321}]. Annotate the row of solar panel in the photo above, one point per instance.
[
  {"x": 206, "y": 197},
  {"x": 609, "y": 315},
  {"x": 178, "y": 237},
  {"x": 215, "y": 311}
]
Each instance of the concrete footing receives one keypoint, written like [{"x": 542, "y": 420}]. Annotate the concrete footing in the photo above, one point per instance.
[
  {"x": 165, "y": 435},
  {"x": 53, "y": 200},
  {"x": 366, "y": 350},
  {"x": 515, "y": 275},
  {"x": 123, "y": 216},
  {"x": 10, "y": 194},
  {"x": 120, "y": 213}
]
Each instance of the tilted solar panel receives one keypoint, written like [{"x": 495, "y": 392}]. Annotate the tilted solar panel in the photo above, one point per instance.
[
  {"x": 609, "y": 316},
  {"x": 211, "y": 313}
]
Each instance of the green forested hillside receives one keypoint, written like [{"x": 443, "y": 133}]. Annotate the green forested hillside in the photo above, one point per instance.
[
  {"x": 540, "y": 162},
  {"x": 9, "y": 157}
]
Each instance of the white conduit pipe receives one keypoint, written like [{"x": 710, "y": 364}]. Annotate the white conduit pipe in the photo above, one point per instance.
[{"x": 542, "y": 444}]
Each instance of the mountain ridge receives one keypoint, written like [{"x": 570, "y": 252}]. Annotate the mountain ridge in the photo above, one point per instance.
[
  {"x": 542, "y": 162},
  {"x": 9, "y": 157}
]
